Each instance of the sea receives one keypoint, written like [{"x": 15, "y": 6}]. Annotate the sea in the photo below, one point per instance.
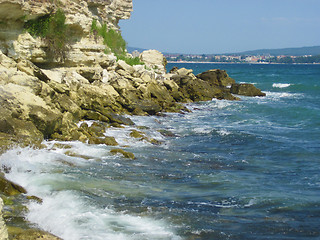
[{"x": 247, "y": 169}]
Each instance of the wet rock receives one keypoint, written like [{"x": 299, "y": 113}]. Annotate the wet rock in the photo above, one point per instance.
[
  {"x": 114, "y": 118},
  {"x": 137, "y": 134},
  {"x": 97, "y": 129},
  {"x": 155, "y": 141},
  {"x": 110, "y": 141},
  {"x": 73, "y": 154},
  {"x": 9, "y": 188},
  {"x": 246, "y": 89},
  {"x": 167, "y": 133},
  {"x": 95, "y": 140},
  {"x": 35, "y": 198},
  {"x": 124, "y": 153}
]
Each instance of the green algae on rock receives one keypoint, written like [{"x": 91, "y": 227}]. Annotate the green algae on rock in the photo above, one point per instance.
[{"x": 125, "y": 154}]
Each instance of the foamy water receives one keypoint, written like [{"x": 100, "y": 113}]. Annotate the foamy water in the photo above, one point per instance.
[{"x": 281, "y": 85}]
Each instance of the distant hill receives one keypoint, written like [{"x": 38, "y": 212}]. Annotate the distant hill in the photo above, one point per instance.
[
  {"x": 284, "y": 51},
  {"x": 131, "y": 49},
  {"x": 315, "y": 50}
]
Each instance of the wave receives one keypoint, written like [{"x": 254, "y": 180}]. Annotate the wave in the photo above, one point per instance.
[
  {"x": 67, "y": 211},
  {"x": 281, "y": 85}
]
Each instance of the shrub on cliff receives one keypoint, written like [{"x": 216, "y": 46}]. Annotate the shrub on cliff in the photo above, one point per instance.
[
  {"x": 113, "y": 40},
  {"x": 53, "y": 30}
]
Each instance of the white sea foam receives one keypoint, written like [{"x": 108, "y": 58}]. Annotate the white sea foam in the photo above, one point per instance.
[
  {"x": 223, "y": 132},
  {"x": 72, "y": 217},
  {"x": 281, "y": 85},
  {"x": 202, "y": 130},
  {"x": 220, "y": 104},
  {"x": 251, "y": 202},
  {"x": 66, "y": 211},
  {"x": 279, "y": 95}
]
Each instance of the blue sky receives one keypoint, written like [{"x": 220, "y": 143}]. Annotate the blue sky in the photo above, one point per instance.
[{"x": 222, "y": 26}]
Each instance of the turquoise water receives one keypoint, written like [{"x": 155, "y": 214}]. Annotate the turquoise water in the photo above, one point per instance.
[{"x": 248, "y": 169}]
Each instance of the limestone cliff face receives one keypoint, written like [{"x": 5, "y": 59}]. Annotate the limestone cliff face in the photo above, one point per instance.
[{"x": 17, "y": 44}]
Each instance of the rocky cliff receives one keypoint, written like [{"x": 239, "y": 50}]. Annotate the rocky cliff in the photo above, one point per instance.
[{"x": 44, "y": 97}]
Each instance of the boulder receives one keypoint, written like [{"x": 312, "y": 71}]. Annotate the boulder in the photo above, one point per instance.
[
  {"x": 125, "y": 67},
  {"x": 217, "y": 77},
  {"x": 154, "y": 59},
  {"x": 246, "y": 89},
  {"x": 6, "y": 62}
]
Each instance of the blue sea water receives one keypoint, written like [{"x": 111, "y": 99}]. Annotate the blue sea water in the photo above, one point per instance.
[{"x": 246, "y": 169}]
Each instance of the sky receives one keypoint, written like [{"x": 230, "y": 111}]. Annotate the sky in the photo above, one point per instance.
[{"x": 222, "y": 26}]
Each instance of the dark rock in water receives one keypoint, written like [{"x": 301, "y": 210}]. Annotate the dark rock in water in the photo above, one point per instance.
[
  {"x": 196, "y": 89},
  {"x": 119, "y": 119},
  {"x": 246, "y": 89},
  {"x": 217, "y": 77},
  {"x": 110, "y": 141},
  {"x": 167, "y": 133}
]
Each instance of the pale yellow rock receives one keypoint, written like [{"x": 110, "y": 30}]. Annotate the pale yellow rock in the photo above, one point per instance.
[
  {"x": 184, "y": 71},
  {"x": 3, "y": 227},
  {"x": 126, "y": 67},
  {"x": 23, "y": 97},
  {"x": 85, "y": 49},
  {"x": 154, "y": 59},
  {"x": 6, "y": 62}
]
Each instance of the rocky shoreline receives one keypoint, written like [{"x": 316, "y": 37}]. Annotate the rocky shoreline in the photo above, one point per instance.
[{"x": 44, "y": 99}]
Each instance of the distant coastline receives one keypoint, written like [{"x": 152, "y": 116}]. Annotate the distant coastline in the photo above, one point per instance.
[{"x": 246, "y": 63}]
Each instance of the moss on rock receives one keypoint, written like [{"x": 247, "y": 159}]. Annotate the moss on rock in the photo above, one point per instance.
[{"x": 137, "y": 134}]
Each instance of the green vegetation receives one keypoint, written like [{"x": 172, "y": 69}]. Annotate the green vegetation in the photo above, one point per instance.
[
  {"x": 114, "y": 41},
  {"x": 303, "y": 59},
  {"x": 53, "y": 30},
  {"x": 129, "y": 60}
]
